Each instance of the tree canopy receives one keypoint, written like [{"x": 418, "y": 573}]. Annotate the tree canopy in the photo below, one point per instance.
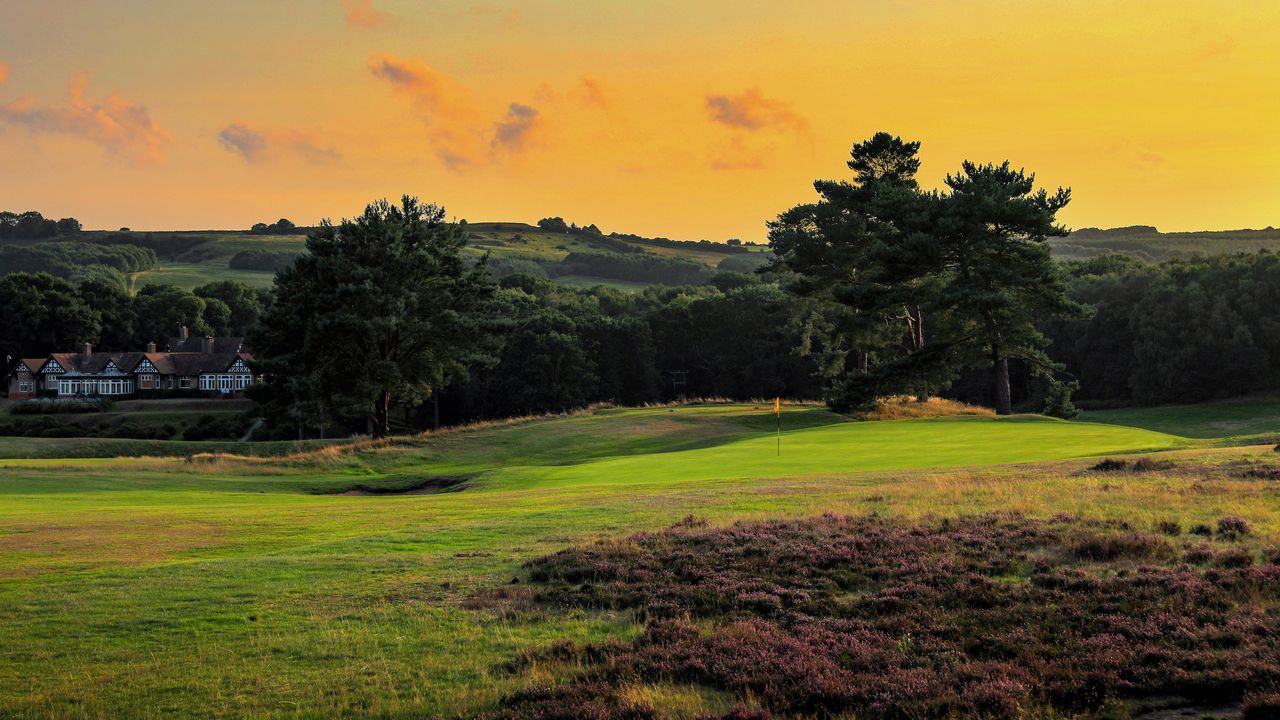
[
  {"x": 877, "y": 254},
  {"x": 382, "y": 310}
]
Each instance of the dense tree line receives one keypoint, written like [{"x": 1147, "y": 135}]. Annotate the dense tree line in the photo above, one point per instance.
[
  {"x": 45, "y": 314},
  {"x": 283, "y": 226},
  {"x": 1182, "y": 331},
  {"x": 78, "y": 261},
  {"x": 734, "y": 337},
  {"x": 32, "y": 225},
  {"x": 638, "y": 267}
]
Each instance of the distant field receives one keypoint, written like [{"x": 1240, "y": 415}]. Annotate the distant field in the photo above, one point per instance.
[
  {"x": 193, "y": 275},
  {"x": 1146, "y": 243},
  {"x": 178, "y": 587}
]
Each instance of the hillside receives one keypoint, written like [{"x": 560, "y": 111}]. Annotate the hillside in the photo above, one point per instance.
[
  {"x": 581, "y": 258},
  {"x": 1147, "y": 243}
]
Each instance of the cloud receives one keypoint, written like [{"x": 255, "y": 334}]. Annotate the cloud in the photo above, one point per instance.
[
  {"x": 459, "y": 136},
  {"x": 362, "y": 13},
  {"x": 513, "y": 131},
  {"x": 114, "y": 124},
  {"x": 593, "y": 93},
  {"x": 752, "y": 111},
  {"x": 4, "y": 72},
  {"x": 244, "y": 141},
  {"x": 255, "y": 145},
  {"x": 437, "y": 92}
]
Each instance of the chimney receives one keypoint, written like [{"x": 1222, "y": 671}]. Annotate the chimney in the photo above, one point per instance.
[
  {"x": 151, "y": 346},
  {"x": 85, "y": 349},
  {"x": 182, "y": 332},
  {"x": 208, "y": 345}
]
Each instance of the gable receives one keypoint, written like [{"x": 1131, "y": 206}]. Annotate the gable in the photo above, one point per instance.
[
  {"x": 53, "y": 367},
  {"x": 239, "y": 367},
  {"x": 110, "y": 367},
  {"x": 21, "y": 367},
  {"x": 145, "y": 367}
]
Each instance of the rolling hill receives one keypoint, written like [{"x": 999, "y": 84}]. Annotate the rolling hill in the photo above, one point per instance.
[
  {"x": 1145, "y": 242},
  {"x": 580, "y": 258}
]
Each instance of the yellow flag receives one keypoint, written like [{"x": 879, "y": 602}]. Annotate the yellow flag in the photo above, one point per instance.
[{"x": 777, "y": 406}]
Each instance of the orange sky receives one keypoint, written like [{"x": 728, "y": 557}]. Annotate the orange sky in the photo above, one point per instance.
[{"x": 688, "y": 119}]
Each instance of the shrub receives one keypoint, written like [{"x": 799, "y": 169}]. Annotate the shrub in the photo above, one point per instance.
[
  {"x": 1169, "y": 527},
  {"x": 51, "y": 406},
  {"x": 1261, "y": 707},
  {"x": 1232, "y": 527},
  {"x": 1202, "y": 530},
  {"x": 989, "y": 616},
  {"x": 1110, "y": 465}
]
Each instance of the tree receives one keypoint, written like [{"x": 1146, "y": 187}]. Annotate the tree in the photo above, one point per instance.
[
  {"x": 244, "y": 304},
  {"x": 866, "y": 246},
  {"x": 382, "y": 310},
  {"x": 554, "y": 224},
  {"x": 992, "y": 235},
  {"x": 115, "y": 308},
  {"x": 43, "y": 314},
  {"x": 69, "y": 226},
  {"x": 163, "y": 309}
]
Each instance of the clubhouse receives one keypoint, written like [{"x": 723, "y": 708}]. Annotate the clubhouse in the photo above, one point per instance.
[{"x": 187, "y": 366}]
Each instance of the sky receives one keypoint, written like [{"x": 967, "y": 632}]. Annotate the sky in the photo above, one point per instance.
[{"x": 687, "y": 119}]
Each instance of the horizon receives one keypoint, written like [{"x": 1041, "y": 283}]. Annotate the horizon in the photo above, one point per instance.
[{"x": 650, "y": 118}]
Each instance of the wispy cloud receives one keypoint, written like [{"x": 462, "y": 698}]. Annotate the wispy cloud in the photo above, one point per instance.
[
  {"x": 362, "y": 13},
  {"x": 512, "y": 132},
  {"x": 113, "y": 123},
  {"x": 751, "y": 110},
  {"x": 255, "y": 145},
  {"x": 459, "y": 137}
]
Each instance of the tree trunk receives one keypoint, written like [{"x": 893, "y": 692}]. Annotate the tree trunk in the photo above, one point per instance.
[
  {"x": 382, "y": 417},
  {"x": 1000, "y": 375}
]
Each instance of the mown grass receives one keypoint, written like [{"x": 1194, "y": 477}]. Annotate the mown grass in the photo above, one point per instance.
[
  {"x": 168, "y": 588},
  {"x": 1225, "y": 419}
]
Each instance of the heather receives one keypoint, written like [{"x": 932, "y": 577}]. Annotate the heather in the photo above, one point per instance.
[{"x": 993, "y": 616}]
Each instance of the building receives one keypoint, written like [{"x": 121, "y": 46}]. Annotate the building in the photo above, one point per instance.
[{"x": 188, "y": 366}]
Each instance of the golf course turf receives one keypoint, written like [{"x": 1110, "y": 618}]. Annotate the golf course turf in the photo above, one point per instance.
[{"x": 225, "y": 587}]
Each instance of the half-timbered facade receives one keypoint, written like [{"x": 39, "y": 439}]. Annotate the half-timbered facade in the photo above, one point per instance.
[{"x": 207, "y": 366}]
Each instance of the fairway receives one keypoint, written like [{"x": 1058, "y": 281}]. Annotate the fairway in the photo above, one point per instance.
[{"x": 162, "y": 587}]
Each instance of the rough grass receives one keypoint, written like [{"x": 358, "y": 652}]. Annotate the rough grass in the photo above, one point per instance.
[{"x": 165, "y": 587}]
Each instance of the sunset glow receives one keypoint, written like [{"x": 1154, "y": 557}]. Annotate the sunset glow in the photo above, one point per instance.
[{"x": 689, "y": 120}]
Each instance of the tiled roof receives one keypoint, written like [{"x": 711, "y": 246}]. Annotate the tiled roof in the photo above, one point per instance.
[
  {"x": 166, "y": 363},
  {"x": 33, "y": 364}
]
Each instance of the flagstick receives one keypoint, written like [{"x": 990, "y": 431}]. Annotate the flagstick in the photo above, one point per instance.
[{"x": 779, "y": 414}]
